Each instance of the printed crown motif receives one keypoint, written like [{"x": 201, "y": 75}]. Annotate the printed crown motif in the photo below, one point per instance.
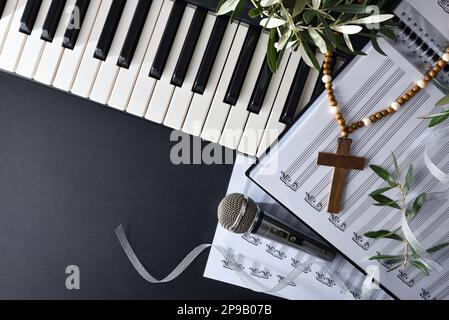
[{"x": 444, "y": 4}]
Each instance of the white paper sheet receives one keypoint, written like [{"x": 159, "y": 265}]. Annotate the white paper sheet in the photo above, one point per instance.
[{"x": 267, "y": 261}]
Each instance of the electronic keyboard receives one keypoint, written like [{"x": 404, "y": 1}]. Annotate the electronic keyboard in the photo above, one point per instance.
[{"x": 172, "y": 62}]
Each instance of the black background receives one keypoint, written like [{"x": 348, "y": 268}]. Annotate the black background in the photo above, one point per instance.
[{"x": 71, "y": 171}]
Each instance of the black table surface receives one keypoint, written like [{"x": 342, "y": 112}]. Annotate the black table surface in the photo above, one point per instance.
[{"x": 71, "y": 171}]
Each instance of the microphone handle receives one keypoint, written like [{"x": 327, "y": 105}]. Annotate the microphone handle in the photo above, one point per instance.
[{"x": 272, "y": 228}]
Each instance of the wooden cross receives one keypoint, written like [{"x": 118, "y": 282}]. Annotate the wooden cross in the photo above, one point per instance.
[{"x": 342, "y": 162}]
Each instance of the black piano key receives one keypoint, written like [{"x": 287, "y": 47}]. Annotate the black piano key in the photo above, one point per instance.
[
  {"x": 295, "y": 93},
  {"x": 261, "y": 88},
  {"x": 109, "y": 29},
  {"x": 210, "y": 54},
  {"x": 134, "y": 33},
  {"x": 72, "y": 32},
  {"x": 189, "y": 47},
  {"x": 29, "y": 16},
  {"x": 168, "y": 37},
  {"x": 242, "y": 66},
  {"x": 52, "y": 20},
  {"x": 2, "y": 7},
  {"x": 319, "y": 85}
]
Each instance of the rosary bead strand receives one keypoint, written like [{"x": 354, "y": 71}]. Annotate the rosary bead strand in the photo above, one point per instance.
[{"x": 395, "y": 106}]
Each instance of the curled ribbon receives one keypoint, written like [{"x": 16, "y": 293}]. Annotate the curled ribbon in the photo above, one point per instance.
[
  {"x": 429, "y": 140},
  {"x": 252, "y": 283}
]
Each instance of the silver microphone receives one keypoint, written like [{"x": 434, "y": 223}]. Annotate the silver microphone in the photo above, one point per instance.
[{"x": 240, "y": 214}]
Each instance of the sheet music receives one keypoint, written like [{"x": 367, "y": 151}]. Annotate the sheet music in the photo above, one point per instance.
[
  {"x": 269, "y": 262},
  {"x": 291, "y": 175},
  {"x": 429, "y": 20}
]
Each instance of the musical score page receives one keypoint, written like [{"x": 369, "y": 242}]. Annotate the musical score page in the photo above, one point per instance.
[{"x": 290, "y": 174}]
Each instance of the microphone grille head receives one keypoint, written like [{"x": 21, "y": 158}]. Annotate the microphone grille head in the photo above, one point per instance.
[{"x": 229, "y": 212}]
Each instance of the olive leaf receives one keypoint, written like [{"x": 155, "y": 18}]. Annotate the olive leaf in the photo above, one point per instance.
[
  {"x": 380, "y": 191},
  {"x": 416, "y": 207},
  {"x": 443, "y": 101},
  {"x": 421, "y": 266},
  {"x": 272, "y": 57},
  {"x": 384, "y": 201},
  {"x": 408, "y": 179},
  {"x": 381, "y": 172},
  {"x": 299, "y": 7},
  {"x": 395, "y": 165},
  {"x": 383, "y": 234},
  {"x": 438, "y": 247},
  {"x": 350, "y": 8}
]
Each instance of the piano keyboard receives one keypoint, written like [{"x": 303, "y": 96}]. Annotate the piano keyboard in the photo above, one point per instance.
[{"x": 170, "y": 62}]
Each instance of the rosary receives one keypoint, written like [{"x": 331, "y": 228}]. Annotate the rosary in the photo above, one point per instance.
[{"x": 342, "y": 161}]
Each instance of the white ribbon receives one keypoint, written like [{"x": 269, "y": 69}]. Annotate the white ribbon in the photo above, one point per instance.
[
  {"x": 443, "y": 195},
  {"x": 251, "y": 283}
]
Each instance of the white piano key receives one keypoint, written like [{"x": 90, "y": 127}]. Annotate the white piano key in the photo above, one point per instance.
[
  {"x": 183, "y": 95},
  {"x": 14, "y": 42},
  {"x": 6, "y": 19},
  {"x": 144, "y": 86},
  {"x": 34, "y": 45},
  {"x": 87, "y": 72},
  {"x": 219, "y": 110},
  {"x": 51, "y": 56},
  {"x": 107, "y": 74},
  {"x": 126, "y": 78},
  {"x": 239, "y": 114},
  {"x": 255, "y": 127},
  {"x": 274, "y": 127},
  {"x": 200, "y": 105},
  {"x": 163, "y": 90},
  {"x": 71, "y": 59}
]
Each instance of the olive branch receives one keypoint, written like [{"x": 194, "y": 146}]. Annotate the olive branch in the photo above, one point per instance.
[
  {"x": 308, "y": 25},
  {"x": 438, "y": 118},
  {"x": 408, "y": 256}
]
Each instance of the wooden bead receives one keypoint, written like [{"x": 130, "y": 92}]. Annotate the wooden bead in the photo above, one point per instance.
[
  {"x": 411, "y": 93},
  {"x": 406, "y": 97},
  {"x": 338, "y": 116},
  {"x": 333, "y": 103},
  {"x": 396, "y": 105},
  {"x": 421, "y": 83},
  {"x": 328, "y": 60},
  {"x": 330, "y": 91},
  {"x": 366, "y": 122},
  {"x": 427, "y": 79},
  {"x": 326, "y": 72},
  {"x": 442, "y": 63},
  {"x": 326, "y": 79},
  {"x": 401, "y": 101},
  {"x": 328, "y": 85},
  {"x": 378, "y": 115},
  {"x": 373, "y": 118},
  {"x": 432, "y": 74},
  {"x": 326, "y": 66},
  {"x": 336, "y": 110},
  {"x": 391, "y": 110},
  {"x": 447, "y": 50},
  {"x": 328, "y": 54},
  {"x": 416, "y": 88},
  {"x": 350, "y": 130},
  {"x": 436, "y": 68},
  {"x": 384, "y": 113}
]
